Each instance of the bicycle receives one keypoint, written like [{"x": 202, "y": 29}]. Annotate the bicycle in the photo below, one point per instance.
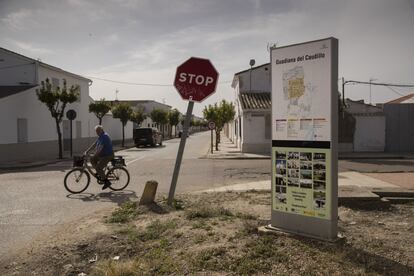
[{"x": 78, "y": 179}]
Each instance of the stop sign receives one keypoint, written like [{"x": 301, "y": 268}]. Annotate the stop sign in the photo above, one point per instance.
[{"x": 196, "y": 79}]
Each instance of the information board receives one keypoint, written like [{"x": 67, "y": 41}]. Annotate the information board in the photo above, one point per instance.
[{"x": 304, "y": 138}]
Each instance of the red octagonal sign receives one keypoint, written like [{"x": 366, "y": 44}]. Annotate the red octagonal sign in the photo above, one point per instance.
[{"x": 196, "y": 79}]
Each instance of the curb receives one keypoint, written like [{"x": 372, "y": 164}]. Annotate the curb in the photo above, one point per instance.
[
  {"x": 235, "y": 158},
  {"x": 38, "y": 164},
  {"x": 208, "y": 155},
  {"x": 371, "y": 157}
]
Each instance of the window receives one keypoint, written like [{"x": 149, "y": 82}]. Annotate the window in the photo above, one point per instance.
[
  {"x": 80, "y": 95},
  {"x": 21, "y": 130}
]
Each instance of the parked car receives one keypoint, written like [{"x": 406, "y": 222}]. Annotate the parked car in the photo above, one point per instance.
[{"x": 147, "y": 136}]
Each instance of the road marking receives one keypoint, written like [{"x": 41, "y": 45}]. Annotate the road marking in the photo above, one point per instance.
[{"x": 136, "y": 159}]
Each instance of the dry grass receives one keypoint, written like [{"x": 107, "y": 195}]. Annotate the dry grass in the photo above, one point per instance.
[{"x": 216, "y": 234}]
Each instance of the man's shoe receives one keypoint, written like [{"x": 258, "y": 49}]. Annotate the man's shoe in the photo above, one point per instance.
[{"x": 107, "y": 183}]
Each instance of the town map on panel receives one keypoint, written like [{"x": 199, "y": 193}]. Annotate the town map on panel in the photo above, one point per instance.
[{"x": 298, "y": 94}]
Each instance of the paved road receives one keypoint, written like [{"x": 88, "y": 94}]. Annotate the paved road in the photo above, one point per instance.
[
  {"x": 34, "y": 202},
  {"x": 377, "y": 165}
]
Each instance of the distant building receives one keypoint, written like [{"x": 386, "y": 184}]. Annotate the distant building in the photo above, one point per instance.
[
  {"x": 28, "y": 129},
  {"x": 367, "y": 131},
  {"x": 399, "y": 115},
  {"x": 148, "y": 106},
  {"x": 251, "y": 129}
]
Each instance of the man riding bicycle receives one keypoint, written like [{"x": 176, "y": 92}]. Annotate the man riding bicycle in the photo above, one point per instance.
[{"x": 103, "y": 154}]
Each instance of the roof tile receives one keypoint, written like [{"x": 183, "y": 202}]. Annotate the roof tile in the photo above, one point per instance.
[{"x": 255, "y": 100}]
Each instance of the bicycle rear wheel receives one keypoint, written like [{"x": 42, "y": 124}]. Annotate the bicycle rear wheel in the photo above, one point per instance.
[
  {"x": 77, "y": 180},
  {"x": 119, "y": 178}
]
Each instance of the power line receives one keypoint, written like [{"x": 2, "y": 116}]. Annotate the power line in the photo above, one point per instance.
[
  {"x": 129, "y": 83},
  {"x": 139, "y": 84},
  {"x": 379, "y": 83},
  {"x": 395, "y": 91},
  {"x": 388, "y": 85}
]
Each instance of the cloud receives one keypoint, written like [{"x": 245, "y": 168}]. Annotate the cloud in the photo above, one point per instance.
[
  {"x": 18, "y": 20},
  {"x": 144, "y": 40},
  {"x": 31, "y": 48}
]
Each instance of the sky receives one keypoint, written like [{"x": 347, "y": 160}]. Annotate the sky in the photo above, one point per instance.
[{"x": 143, "y": 41}]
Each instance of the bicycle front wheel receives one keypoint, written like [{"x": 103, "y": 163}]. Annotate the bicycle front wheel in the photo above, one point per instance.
[
  {"x": 77, "y": 180},
  {"x": 119, "y": 178}
]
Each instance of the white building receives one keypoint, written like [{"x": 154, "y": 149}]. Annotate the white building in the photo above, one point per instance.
[
  {"x": 148, "y": 106},
  {"x": 28, "y": 129},
  {"x": 366, "y": 133},
  {"x": 251, "y": 129}
]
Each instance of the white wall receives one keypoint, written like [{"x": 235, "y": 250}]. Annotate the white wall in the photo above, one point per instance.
[
  {"x": 369, "y": 133},
  {"x": 25, "y": 105},
  {"x": 21, "y": 70},
  {"x": 40, "y": 124},
  {"x": 253, "y": 133},
  {"x": 113, "y": 127},
  {"x": 81, "y": 107},
  {"x": 260, "y": 79},
  {"x": 255, "y": 124}
]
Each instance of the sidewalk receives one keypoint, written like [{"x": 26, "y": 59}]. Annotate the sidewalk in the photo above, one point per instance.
[
  {"x": 228, "y": 150},
  {"x": 375, "y": 155},
  {"x": 351, "y": 184}
]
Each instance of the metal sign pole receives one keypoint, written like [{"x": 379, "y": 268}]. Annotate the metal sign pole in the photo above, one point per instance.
[
  {"x": 71, "y": 137},
  {"x": 211, "y": 141},
  {"x": 180, "y": 152}
]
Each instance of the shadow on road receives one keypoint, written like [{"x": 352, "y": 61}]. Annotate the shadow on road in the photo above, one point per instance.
[
  {"x": 144, "y": 148},
  {"x": 117, "y": 197}
]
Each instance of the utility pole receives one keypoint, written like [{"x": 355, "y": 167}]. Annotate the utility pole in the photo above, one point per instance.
[
  {"x": 116, "y": 94},
  {"x": 252, "y": 62},
  {"x": 343, "y": 91},
  {"x": 370, "y": 93}
]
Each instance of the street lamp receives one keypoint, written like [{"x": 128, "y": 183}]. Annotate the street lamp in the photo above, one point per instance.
[{"x": 252, "y": 62}]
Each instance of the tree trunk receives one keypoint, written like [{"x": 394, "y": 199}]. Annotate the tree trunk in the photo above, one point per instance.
[
  {"x": 175, "y": 130},
  {"x": 123, "y": 135},
  {"x": 217, "y": 139},
  {"x": 100, "y": 120},
  {"x": 59, "y": 139}
]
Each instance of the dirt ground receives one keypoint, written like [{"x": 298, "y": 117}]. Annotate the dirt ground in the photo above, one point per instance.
[{"x": 216, "y": 234}]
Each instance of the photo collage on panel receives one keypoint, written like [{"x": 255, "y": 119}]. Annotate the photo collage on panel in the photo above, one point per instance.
[
  {"x": 280, "y": 180},
  {"x": 319, "y": 180},
  {"x": 305, "y": 170}
]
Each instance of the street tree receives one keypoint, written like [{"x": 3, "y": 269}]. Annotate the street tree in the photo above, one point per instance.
[
  {"x": 123, "y": 112},
  {"x": 160, "y": 117},
  {"x": 138, "y": 116},
  {"x": 100, "y": 109},
  {"x": 219, "y": 113},
  {"x": 56, "y": 99},
  {"x": 174, "y": 117}
]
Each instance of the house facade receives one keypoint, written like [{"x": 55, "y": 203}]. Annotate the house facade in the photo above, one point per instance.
[
  {"x": 367, "y": 131},
  {"x": 28, "y": 129},
  {"x": 251, "y": 129},
  {"x": 148, "y": 106},
  {"x": 399, "y": 114}
]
